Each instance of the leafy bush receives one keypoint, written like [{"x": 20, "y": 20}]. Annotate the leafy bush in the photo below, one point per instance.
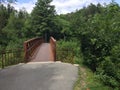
[
  {"x": 99, "y": 34},
  {"x": 67, "y": 50}
]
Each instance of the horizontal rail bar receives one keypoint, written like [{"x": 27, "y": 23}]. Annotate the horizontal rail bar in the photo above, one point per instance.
[
  {"x": 30, "y": 47},
  {"x": 11, "y": 57}
]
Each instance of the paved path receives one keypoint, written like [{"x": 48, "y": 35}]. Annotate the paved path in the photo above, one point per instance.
[
  {"x": 38, "y": 76},
  {"x": 43, "y": 53}
]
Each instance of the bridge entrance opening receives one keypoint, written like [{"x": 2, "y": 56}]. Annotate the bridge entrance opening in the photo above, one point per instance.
[{"x": 47, "y": 36}]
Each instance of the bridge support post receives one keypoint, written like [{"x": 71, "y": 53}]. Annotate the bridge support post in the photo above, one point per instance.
[
  {"x": 53, "y": 47},
  {"x": 25, "y": 51}
]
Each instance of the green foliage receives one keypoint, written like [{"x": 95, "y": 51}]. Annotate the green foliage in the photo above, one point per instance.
[
  {"x": 98, "y": 28},
  {"x": 67, "y": 51},
  {"x": 87, "y": 80},
  {"x": 15, "y": 29},
  {"x": 64, "y": 27},
  {"x": 109, "y": 69},
  {"x": 43, "y": 18},
  {"x": 4, "y": 16}
]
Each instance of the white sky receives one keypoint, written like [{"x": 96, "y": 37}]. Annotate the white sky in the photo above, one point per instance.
[{"x": 61, "y": 6}]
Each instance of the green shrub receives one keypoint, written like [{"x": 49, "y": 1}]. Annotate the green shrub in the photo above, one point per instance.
[{"x": 67, "y": 51}]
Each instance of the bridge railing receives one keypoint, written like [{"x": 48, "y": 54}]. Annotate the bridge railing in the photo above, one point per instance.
[
  {"x": 30, "y": 46},
  {"x": 11, "y": 57},
  {"x": 53, "y": 47},
  {"x": 65, "y": 55}
]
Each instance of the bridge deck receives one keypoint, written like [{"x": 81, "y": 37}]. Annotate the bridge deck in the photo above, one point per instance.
[{"x": 43, "y": 53}]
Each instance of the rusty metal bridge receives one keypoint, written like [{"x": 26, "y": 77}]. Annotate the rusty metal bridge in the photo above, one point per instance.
[{"x": 36, "y": 50}]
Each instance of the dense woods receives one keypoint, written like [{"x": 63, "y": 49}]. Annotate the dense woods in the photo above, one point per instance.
[
  {"x": 97, "y": 29},
  {"x": 94, "y": 29}
]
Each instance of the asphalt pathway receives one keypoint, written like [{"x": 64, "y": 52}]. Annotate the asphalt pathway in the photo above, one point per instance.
[{"x": 39, "y": 76}]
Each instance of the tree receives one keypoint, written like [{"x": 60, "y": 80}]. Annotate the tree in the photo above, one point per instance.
[
  {"x": 42, "y": 18},
  {"x": 4, "y": 16},
  {"x": 10, "y": 1},
  {"x": 98, "y": 31},
  {"x": 14, "y": 30}
]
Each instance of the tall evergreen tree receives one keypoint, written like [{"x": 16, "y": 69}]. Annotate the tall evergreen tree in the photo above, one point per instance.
[
  {"x": 42, "y": 18},
  {"x": 4, "y": 16},
  {"x": 14, "y": 30},
  {"x": 10, "y": 1}
]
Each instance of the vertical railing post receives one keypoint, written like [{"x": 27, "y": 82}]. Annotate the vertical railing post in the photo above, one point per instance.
[
  {"x": 53, "y": 47},
  {"x": 54, "y": 50},
  {"x": 10, "y": 57},
  {"x": 2, "y": 61},
  {"x": 25, "y": 50}
]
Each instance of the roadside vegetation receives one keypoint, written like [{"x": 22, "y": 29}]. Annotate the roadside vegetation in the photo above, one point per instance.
[{"x": 69, "y": 52}]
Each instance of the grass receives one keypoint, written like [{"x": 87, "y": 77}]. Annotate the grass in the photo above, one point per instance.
[{"x": 87, "y": 79}]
